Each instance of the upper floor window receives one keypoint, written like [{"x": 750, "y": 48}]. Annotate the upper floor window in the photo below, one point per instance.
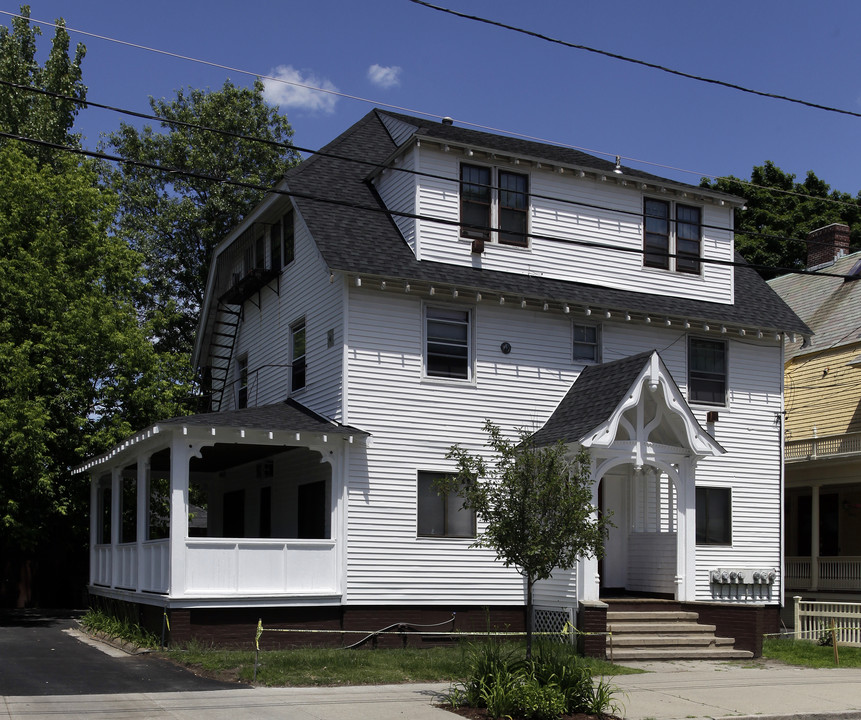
[
  {"x": 486, "y": 208},
  {"x": 275, "y": 245},
  {"x": 297, "y": 352},
  {"x": 447, "y": 343},
  {"x": 242, "y": 381},
  {"x": 587, "y": 343},
  {"x": 707, "y": 371},
  {"x": 664, "y": 236},
  {"x": 289, "y": 234},
  {"x": 441, "y": 514}
]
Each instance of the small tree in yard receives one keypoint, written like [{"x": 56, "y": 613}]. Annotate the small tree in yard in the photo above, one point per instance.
[{"x": 535, "y": 503}]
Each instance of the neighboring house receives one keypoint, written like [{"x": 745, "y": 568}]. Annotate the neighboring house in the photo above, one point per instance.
[
  {"x": 823, "y": 422},
  {"x": 406, "y": 283}
]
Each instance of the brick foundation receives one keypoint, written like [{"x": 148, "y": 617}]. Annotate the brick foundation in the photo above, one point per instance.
[
  {"x": 746, "y": 623},
  {"x": 592, "y": 618}
]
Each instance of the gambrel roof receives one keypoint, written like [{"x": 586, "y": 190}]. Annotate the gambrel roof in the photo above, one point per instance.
[{"x": 354, "y": 237}]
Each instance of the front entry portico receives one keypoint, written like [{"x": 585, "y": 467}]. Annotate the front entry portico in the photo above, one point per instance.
[{"x": 645, "y": 444}]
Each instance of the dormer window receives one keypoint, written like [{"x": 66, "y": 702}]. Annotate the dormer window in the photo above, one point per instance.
[
  {"x": 664, "y": 236},
  {"x": 494, "y": 203}
]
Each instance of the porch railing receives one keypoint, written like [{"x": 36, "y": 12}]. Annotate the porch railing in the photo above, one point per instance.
[
  {"x": 814, "y": 619},
  {"x": 226, "y": 567},
  {"x": 823, "y": 573},
  {"x": 822, "y": 447},
  {"x": 120, "y": 569}
]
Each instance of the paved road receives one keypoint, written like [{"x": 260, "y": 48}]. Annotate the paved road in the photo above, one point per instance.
[{"x": 41, "y": 655}]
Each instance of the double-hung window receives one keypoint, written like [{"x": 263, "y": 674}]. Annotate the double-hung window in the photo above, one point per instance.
[
  {"x": 707, "y": 371},
  {"x": 297, "y": 353},
  {"x": 665, "y": 235},
  {"x": 242, "y": 381},
  {"x": 494, "y": 203},
  {"x": 275, "y": 245},
  {"x": 447, "y": 343},
  {"x": 441, "y": 514},
  {"x": 714, "y": 516},
  {"x": 587, "y": 343}
]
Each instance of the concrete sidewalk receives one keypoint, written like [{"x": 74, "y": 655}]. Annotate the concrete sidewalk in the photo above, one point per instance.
[{"x": 669, "y": 691}]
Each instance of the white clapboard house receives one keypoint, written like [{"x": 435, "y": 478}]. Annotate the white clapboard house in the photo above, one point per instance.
[{"x": 411, "y": 280}]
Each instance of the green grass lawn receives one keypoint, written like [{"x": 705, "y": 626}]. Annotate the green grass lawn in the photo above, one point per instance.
[
  {"x": 809, "y": 654},
  {"x": 363, "y": 666}
]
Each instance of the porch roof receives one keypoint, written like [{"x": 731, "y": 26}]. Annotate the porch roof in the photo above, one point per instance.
[
  {"x": 592, "y": 399},
  {"x": 603, "y": 391},
  {"x": 287, "y": 416}
]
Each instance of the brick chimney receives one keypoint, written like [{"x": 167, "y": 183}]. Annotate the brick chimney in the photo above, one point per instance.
[{"x": 826, "y": 244}]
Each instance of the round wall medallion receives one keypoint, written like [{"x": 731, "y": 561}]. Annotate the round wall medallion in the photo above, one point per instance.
[{"x": 505, "y": 347}]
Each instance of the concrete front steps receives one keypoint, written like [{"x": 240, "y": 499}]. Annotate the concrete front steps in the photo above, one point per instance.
[{"x": 664, "y": 632}]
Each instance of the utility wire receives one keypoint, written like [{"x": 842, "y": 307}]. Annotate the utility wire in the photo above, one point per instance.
[
  {"x": 635, "y": 61},
  {"x": 358, "y": 98},
  {"x": 380, "y": 166},
  {"x": 389, "y": 212}
]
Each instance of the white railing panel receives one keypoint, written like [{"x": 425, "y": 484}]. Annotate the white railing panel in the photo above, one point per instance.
[
  {"x": 840, "y": 573},
  {"x": 126, "y": 575},
  {"x": 101, "y": 570},
  {"x": 797, "y": 573},
  {"x": 830, "y": 573},
  {"x": 155, "y": 570},
  {"x": 813, "y": 619},
  {"x": 225, "y": 567}
]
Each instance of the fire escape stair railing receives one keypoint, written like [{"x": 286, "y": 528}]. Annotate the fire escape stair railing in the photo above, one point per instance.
[{"x": 227, "y": 319}]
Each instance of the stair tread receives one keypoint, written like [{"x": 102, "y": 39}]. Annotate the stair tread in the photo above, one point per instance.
[
  {"x": 679, "y": 654},
  {"x": 647, "y": 627},
  {"x": 617, "y": 615},
  {"x": 674, "y": 640}
]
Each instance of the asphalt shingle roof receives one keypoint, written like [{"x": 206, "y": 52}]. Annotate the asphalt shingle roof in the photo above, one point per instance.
[
  {"x": 353, "y": 239},
  {"x": 831, "y": 306},
  {"x": 288, "y": 415},
  {"x": 591, "y": 400}
]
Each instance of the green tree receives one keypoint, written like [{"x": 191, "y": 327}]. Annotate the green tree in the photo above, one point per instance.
[
  {"x": 78, "y": 369},
  {"x": 779, "y": 212},
  {"x": 31, "y": 114},
  {"x": 176, "y": 220},
  {"x": 536, "y": 505}
]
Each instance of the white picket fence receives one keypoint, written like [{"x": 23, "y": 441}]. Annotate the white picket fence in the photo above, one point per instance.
[{"x": 814, "y": 618}]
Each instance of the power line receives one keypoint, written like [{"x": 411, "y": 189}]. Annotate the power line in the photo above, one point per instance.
[
  {"x": 379, "y": 166},
  {"x": 635, "y": 61},
  {"x": 389, "y": 212},
  {"x": 376, "y": 103}
]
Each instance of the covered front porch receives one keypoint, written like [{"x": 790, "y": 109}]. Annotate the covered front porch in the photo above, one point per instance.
[
  {"x": 822, "y": 514},
  {"x": 244, "y": 507}
]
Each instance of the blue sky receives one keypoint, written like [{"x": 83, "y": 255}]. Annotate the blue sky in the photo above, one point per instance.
[{"x": 393, "y": 52}]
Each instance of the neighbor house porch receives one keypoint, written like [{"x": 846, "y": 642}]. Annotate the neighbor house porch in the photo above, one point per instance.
[{"x": 822, "y": 513}]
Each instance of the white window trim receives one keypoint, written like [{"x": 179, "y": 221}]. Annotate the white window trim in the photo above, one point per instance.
[
  {"x": 295, "y": 325},
  {"x": 494, "y": 204},
  {"x": 700, "y": 403},
  {"x": 470, "y": 310},
  {"x": 673, "y": 238},
  {"x": 443, "y": 537},
  {"x": 599, "y": 344}
]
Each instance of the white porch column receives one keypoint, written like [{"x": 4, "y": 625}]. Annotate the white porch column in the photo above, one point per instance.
[
  {"x": 141, "y": 496},
  {"x": 94, "y": 527},
  {"x": 116, "y": 521},
  {"x": 814, "y": 537},
  {"x": 180, "y": 453},
  {"x": 588, "y": 579},
  {"x": 686, "y": 532}
]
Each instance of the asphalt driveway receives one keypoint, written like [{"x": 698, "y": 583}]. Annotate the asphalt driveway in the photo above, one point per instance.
[{"x": 43, "y": 654}]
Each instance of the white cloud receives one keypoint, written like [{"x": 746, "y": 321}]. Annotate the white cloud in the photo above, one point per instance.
[
  {"x": 290, "y": 88},
  {"x": 385, "y": 77}
]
